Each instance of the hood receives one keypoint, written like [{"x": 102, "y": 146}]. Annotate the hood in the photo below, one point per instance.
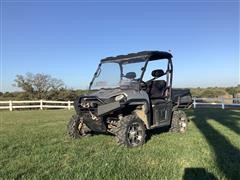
[{"x": 107, "y": 93}]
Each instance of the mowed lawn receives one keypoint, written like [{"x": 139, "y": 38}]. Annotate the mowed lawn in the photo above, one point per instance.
[{"x": 35, "y": 145}]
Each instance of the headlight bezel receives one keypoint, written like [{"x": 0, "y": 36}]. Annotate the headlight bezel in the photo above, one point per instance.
[{"x": 119, "y": 97}]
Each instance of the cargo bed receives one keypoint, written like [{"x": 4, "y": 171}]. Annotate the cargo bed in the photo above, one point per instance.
[{"x": 182, "y": 97}]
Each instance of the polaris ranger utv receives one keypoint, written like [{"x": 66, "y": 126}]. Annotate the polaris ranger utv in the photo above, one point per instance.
[{"x": 125, "y": 104}]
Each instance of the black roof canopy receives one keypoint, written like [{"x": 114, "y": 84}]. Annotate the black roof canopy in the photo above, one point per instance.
[{"x": 139, "y": 57}]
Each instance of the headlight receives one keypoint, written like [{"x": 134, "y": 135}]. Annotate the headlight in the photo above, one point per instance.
[{"x": 119, "y": 97}]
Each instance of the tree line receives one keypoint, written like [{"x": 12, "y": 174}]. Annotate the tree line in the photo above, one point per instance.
[
  {"x": 215, "y": 92},
  {"x": 40, "y": 86},
  {"x": 43, "y": 86}
]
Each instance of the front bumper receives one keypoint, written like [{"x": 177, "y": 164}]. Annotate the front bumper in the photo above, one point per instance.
[{"x": 93, "y": 111}]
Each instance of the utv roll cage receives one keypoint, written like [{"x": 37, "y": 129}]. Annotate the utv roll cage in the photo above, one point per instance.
[{"x": 144, "y": 56}]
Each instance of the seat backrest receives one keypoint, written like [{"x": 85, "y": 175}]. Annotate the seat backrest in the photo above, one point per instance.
[
  {"x": 157, "y": 73},
  {"x": 156, "y": 89},
  {"x": 131, "y": 75}
]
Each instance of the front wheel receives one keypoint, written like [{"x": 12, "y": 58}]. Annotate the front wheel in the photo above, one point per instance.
[
  {"x": 77, "y": 128},
  {"x": 130, "y": 131}
]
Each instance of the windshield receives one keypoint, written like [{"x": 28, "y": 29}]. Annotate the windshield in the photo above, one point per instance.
[{"x": 109, "y": 75}]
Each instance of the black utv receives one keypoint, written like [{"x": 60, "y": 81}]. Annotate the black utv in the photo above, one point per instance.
[{"x": 131, "y": 94}]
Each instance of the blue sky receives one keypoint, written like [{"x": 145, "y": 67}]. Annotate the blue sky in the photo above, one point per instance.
[{"x": 67, "y": 39}]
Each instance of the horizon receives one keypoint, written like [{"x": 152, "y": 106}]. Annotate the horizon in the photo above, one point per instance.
[{"x": 67, "y": 39}]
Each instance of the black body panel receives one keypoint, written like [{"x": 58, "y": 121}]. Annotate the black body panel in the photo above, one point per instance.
[
  {"x": 106, "y": 108},
  {"x": 161, "y": 113}
]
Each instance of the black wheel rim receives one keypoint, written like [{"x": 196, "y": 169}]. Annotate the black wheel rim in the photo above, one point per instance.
[{"x": 135, "y": 134}]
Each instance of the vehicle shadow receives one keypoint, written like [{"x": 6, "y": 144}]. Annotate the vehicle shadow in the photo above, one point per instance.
[
  {"x": 197, "y": 174},
  {"x": 227, "y": 155},
  {"x": 155, "y": 131},
  {"x": 227, "y": 118}
]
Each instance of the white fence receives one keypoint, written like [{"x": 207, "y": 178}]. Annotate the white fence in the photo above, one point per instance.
[
  {"x": 216, "y": 102},
  {"x": 41, "y": 104}
]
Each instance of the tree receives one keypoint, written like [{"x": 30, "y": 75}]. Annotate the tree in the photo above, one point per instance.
[
  {"x": 37, "y": 85},
  {"x": 234, "y": 91}
]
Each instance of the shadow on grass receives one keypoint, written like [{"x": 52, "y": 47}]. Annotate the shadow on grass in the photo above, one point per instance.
[
  {"x": 156, "y": 131},
  {"x": 197, "y": 174},
  {"x": 227, "y": 156}
]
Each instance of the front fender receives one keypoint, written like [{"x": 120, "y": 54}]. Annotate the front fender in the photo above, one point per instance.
[{"x": 106, "y": 108}]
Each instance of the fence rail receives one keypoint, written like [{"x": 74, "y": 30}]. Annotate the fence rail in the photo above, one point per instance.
[
  {"x": 43, "y": 104},
  {"x": 40, "y": 104},
  {"x": 216, "y": 102}
]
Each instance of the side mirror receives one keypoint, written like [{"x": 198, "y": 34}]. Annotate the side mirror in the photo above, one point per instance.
[{"x": 158, "y": 73}]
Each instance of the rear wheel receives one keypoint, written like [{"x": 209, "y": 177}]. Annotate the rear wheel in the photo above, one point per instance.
[
  {"x": 130, "y": 131},
  {"x": 77, "y": 128},
  {"x": 179, "y": 122}
]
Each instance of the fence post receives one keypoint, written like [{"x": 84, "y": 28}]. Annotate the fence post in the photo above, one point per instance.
[
  {"x": 41, "y": 104},
  {"x": 10, "y": 106},
  {"x": 223, "y": 103},
  {"x": 194, "y": 102},
  {"x": 69, "y": 105}
]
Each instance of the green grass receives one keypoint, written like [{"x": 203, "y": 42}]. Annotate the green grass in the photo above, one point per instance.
[{"x": 35, "y": 145}]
